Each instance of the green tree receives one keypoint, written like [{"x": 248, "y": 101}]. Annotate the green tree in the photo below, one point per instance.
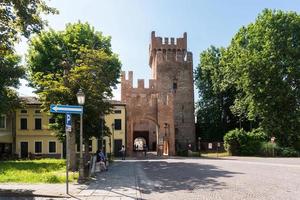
[
  {"x": 263, "y": 64},
  {"x": 214, "y": 117},
  {"x": 17, "y": 18},
  {"x": 62, "y": 62}
]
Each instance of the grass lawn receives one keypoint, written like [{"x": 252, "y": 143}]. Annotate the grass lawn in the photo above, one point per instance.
[{"x": 35, "y": 171}]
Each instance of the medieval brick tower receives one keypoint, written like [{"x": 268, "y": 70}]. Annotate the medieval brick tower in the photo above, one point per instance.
[{"x": 163, "y": 114}]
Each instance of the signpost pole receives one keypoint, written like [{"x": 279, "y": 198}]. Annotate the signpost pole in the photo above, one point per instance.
[
  {"x": 68, "y": 129},
  {"x": 68, "y": 110},
  {"x": 81, "y": 170},
  {"x": 67, "y": 163}
]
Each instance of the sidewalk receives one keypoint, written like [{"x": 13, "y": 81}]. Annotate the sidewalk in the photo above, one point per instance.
[{"x": 119, "y": 182}]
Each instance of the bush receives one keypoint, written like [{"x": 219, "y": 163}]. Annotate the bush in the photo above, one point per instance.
[
  {"x": 288, "y": 152},
  {"x": 182, "y": 153},
  {"x": 268, "y": 149},
  {"x": 233, "y": 141},
  {"x": 240, "y": 142}
]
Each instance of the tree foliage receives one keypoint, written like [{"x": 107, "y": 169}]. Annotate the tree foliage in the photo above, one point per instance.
[
  {"x": 62, "y": 62},
  {"x": 262, "y": 65},
  {"x": 17, "y": 18},
  {"x": 265, "y": 67},
  {"x": 214, "y": 117}
]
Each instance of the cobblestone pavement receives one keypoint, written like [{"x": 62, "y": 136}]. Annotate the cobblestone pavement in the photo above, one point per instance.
[
  {"x": 232, "y": 178},
  {"x": 120, "y": 182}
]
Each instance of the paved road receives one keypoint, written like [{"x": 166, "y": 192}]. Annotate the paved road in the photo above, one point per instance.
[{"x": 232, "y": 178}]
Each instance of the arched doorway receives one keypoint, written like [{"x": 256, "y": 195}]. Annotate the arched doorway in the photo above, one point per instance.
[
  {"x": 139, "y": 143},
  {"x": 147, "y": 129}
]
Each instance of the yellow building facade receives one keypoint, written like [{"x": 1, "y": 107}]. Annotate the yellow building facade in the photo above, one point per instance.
[
  {"x": 116, "y": 121},
  {"x": 34, "y": 138},
  {"x": 7, "y": 135}
]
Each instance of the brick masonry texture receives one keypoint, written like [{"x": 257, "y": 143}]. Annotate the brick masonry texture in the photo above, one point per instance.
[{"x": 165, "y": 110}]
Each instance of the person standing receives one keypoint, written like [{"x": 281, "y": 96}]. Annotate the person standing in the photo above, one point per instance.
[
  {"x": 123, "y": 152},
  {"x": 145, "y": 149}
]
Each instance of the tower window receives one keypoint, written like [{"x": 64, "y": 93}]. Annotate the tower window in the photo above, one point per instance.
[{"x": 174, "y": 86}]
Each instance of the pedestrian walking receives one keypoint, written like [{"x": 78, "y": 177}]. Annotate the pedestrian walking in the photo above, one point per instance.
[
  {"x": 123, "y": 152},
  {"x": 145, "y": 149}
]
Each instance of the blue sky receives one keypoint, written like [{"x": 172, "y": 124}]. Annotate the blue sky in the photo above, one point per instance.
[{"x": 130, "y": 22}]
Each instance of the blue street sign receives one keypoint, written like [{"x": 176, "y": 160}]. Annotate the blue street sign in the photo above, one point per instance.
[
  {"x": 68, "y": 122},
  {"x": 66, "y": 109}
]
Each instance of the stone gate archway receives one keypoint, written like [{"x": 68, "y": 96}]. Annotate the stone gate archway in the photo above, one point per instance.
[{"x": 145, "y": 128}]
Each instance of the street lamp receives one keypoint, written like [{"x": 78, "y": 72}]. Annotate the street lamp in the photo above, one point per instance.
[
  {"x": 166, "y": 144},
  {"x": 199, "y": 145},
  {"x": 165, "y": 126},
  {"x": 81, "y": 99}
]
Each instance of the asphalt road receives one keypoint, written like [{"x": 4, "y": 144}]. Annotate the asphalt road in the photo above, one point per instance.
[{"x": 231, "y": 178}]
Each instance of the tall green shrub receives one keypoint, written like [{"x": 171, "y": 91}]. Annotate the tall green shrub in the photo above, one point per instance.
[{"x": 240, "y": 142}]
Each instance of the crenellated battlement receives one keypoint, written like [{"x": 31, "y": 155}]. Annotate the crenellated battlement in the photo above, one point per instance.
[
  {"x": 169, "y": 49},
  {"x": 128, "y": 82},
  {"x": 159, "y": 43}
]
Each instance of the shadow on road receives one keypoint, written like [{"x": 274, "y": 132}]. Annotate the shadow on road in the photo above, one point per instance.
[
  {"x": 164, "y": 176},
  {"x": 160, "y": 176}
]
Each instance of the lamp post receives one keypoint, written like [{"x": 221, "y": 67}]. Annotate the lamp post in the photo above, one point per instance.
[
  {"x": 199, "y": 145},
  {"x": 81, "y": 99},
  {"x": 165, "y": 126},
  {"x": 166, "y": 147}
]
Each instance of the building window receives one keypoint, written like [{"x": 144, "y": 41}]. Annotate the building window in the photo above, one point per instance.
[
  {"x": 174, "y": 86},
  {"x": 38, "y": 147},
  {"x": 38, "y": 123},
  {"x": 117, "y": 111},
  {"x": 2, "y": 121},
  {"x": 37, "y": 111},
  {"x": 23, "y": 123},
  {"x": 23, "y": 111},
  {"x": 52, "y": 147},
  {"x": 90, "y": 145},
  {"x": 118, "y": 124}
]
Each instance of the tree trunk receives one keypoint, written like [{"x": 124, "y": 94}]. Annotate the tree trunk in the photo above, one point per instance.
[
  {"x": 72, "y": 148},
  {"x": 86, "y": 151}
]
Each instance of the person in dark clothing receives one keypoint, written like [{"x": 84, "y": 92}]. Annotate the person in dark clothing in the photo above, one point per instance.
[
  {"x": 145, "y": 149},
  {"x": 123, "y": 152}
]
